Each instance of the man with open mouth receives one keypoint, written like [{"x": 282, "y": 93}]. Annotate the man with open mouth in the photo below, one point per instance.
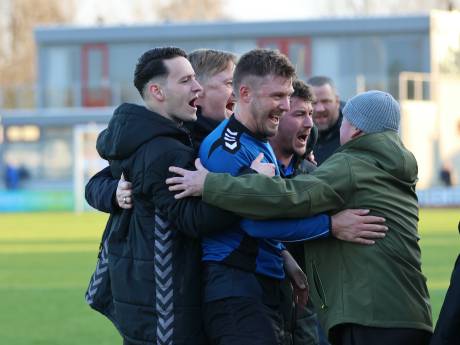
[
  {"x": 368, "y": 294},
  {"x": 113, "y": 195},
  {"x": 243, "y": 266},
  {"x": 154, "y": 249},
  {"x": 214, "y": 103},
  {"x": 290, "y": 147}
]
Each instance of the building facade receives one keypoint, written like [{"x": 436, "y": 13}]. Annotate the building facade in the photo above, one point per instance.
[{"x": 83, "y": 73}]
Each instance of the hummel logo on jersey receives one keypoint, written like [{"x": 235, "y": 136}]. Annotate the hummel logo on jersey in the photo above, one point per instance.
[{"x": 230, "y": 139}]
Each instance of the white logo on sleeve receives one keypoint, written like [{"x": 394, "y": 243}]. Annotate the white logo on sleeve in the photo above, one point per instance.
[{"x": 230, "y": 139}]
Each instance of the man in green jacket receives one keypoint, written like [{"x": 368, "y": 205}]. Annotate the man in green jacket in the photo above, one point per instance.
[{"x": 366, "y": 294}]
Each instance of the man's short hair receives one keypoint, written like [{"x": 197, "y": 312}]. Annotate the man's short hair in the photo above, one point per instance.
[
  {"x": 321, "y": 80},
  {"x": 151, "y": 65},
  {"x": 261, "y": 63},
  {"x": 302, "y": 91},
  {"x": 208, "y": 62}
]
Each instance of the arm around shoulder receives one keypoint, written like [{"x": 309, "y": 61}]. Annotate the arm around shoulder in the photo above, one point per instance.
[
  {"x": 100, "y": 191},
  {"x": 261, "y": 197},
  {"x": 190, "y": 215}
]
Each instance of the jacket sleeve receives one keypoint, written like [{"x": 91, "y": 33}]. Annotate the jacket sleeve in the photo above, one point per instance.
[
  {"x": 262, "y": 197},
  {"x": 100, "y": 191},
  {"x": 191, "y": 216},
  {"x": 289, "y": 230}
]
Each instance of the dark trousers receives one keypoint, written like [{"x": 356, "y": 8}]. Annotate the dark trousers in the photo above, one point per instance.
[
  {"x": 448, "y": 326},
  {"x": 242, "y": 321},
  {"x": 301, "y": 322},
  {"x": 353, "y": 334}
]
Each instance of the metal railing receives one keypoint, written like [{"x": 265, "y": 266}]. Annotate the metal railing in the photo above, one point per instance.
[{"x": 32, "y": 97}]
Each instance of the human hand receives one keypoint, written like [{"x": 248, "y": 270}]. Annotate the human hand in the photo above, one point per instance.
[
  {"x": 355, "y": 225},
  {"x": 189, "y": 183},
  {"x": 311, "y": 158},
  {"x": 124, "y": 193},
  {"x": 297, "y": 277},
  {"x": 267, "y": 169}
]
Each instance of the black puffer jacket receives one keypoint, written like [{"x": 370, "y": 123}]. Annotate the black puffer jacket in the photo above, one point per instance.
[
  {"x": 100, "y": 191},
  {"x": 154, "y": 263}
]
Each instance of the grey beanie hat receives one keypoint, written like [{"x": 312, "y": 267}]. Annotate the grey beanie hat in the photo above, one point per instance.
[{"x": 373, "y": 112}]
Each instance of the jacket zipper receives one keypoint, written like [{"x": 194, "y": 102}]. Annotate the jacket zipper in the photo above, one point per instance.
[
  {"x": 319, "y": 286},
  {"x": 188, "y": 133}
]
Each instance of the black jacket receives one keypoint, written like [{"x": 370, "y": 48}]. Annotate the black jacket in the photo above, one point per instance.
[
  {"x": 101, "y": 188},
  {"x": 100, "y": 191},
  {"x": 328, "y": 141},
  {"x": 201, "y": 128},
  {"x": 447, "y": 329},
  {"x": 154, "y": 264}
]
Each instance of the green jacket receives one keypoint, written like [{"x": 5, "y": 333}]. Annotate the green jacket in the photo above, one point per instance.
[{"x": 380, "y": 285}]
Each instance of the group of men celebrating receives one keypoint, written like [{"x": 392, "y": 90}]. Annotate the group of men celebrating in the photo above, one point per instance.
[{"x": 230, "y": 269}]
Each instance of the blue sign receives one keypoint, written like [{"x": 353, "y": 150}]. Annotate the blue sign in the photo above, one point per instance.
[{"x": 22, "y": 201}]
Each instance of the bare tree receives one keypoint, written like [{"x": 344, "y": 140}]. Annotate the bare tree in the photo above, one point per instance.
[
  {"x": 377, "y": 7},
  {"x": 186, "y": 10},
  {"x": 17, "y": 45}
]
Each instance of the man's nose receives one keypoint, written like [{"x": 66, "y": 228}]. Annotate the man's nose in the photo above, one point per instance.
[
  {"x": 196, "y": 87},
  {"x": 318, "y": 107},
  {"x": 308, "y": 122},
  {"x": 285, "y": 104}
]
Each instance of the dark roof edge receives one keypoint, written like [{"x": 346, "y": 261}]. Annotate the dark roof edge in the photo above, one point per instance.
[{"x": 240, "y": 30}]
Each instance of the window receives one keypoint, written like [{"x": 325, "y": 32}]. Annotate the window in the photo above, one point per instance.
[
  {"x": 95, "y": 75},
  {"x": 59, "y": 76}
]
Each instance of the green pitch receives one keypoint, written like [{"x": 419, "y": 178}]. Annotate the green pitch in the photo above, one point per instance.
[
  {"x": 46, "y": 260},
  {"x": 45, "y": 263}
]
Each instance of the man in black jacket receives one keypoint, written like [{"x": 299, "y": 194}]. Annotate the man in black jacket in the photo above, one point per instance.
[
  {"x": 214, "y": 71},
  {"x": 154, "y": 261},
  {"x": 447, "y": 329},
  {"x": 327, "y": 116}
]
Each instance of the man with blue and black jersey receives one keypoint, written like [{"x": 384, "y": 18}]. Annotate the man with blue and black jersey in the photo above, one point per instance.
[
  {"x": 242, "y": 273},
  {"x": 244, "y": 265},
  {"x": 351, "y": 282}
]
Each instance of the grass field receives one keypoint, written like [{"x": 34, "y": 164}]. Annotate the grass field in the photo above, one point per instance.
[{"x": 46, "y": 260}]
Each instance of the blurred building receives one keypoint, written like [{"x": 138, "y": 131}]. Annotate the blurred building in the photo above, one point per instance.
[{"x": 83, "y": 73}]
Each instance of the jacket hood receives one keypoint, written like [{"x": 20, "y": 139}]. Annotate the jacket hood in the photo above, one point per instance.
[
  {"x": 387, "y": 152},
  {"x": 131, "y": 126}
]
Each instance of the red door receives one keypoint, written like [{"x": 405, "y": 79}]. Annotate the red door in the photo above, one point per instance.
[{"x": 95, "y": 75}]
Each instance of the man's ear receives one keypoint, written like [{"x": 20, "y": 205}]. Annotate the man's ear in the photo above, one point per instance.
[
  {"x": 245, "y": 93},
  {"x": 356, "y": 132},
  {"x": 156, "y": 91}
]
